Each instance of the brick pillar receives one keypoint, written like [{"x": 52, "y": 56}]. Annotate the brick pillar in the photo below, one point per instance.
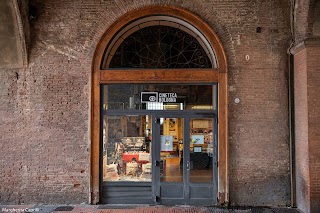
[{"x": 307, "y": 124}]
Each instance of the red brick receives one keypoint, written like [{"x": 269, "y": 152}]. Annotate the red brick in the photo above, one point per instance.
[{"x": 45, "y": 113}]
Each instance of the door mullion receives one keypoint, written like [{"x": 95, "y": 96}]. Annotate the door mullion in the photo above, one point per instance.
[
  {"x": 186, "y": 161},
  {"x": 156, "y": 158}
]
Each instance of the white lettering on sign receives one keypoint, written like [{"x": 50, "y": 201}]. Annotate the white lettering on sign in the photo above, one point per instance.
[{"x": 167, "y": 97}]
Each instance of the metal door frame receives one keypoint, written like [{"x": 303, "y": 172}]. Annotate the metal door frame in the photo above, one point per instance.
[
  {"x": 186, "y": 115},
  {"x": 156, "y": 183}
]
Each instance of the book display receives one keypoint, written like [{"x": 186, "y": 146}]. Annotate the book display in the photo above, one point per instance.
[
  {"x": 130, "y": 161},
  {"x": 126, "y": 158}
]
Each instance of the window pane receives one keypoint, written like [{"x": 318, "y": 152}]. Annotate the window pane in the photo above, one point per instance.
[
  {"x": 159, "y": 97},
  {"x": 171, "y": 155},
  {"x": 127, "y": 148},
  {"x": 201, "y": 150}
]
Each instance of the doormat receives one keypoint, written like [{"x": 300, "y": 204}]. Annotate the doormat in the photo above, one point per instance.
[{"x": 64, "y": 208}]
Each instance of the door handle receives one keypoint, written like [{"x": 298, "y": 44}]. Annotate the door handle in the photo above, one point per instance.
[
  {"x": 157, "y": 199},
  {"x": 188, "y": 165}
]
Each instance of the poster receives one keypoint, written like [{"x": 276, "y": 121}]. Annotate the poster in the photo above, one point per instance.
[
  {"x": 197, "y": 139},
  {"x": 166, "y": 143}
]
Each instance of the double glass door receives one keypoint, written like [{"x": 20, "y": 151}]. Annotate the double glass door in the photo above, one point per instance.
[
  {"x": 185, "y": 163},
  {"x": 168, "y": 158}
]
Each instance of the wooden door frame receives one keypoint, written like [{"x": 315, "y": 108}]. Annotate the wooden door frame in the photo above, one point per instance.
[{"x": 160, "y": 76}]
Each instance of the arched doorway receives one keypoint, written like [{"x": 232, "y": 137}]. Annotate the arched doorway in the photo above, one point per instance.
[{"x": 174, "y": 60}]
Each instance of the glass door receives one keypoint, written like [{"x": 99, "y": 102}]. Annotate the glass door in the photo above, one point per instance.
[
  {"x": 185, "y": 167},
  {"x": 169, "y": 167},
  {"x": 202, "y": 160}
]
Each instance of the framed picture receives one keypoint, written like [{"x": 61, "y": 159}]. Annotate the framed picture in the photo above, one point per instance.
[
  {"x": 197, "y": 139},
  {"x": 166, "y": 143}
]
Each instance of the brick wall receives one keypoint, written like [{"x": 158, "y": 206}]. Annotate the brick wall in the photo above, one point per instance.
[
  {"x": 45, "y": 115},
  {"x": 301, "y": 15},
  {"x": 306, "y": 104},
  {"x": 45, "y": 107},
  {"x": 307, "y": 126},
  {"x": 258, "y": 133},
  {"x": 301, "y": 129},
  {"x": 313, "y": 54}
]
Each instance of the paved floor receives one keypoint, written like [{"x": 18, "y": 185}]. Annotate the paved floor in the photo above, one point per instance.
[{"x": 136, "y": 209}]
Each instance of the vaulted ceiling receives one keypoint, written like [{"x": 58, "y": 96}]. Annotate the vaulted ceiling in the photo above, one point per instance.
[
  {"x": 13, "y": 51},
  {"x": 306, "y": 19}
]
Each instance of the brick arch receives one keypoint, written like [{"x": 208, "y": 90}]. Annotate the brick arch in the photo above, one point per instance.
[
  {"x": 121, "y": 7},
  {"x": 219, "y": 75}
]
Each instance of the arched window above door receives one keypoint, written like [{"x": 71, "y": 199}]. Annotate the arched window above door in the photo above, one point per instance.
[{"x": 159, "y": 42}]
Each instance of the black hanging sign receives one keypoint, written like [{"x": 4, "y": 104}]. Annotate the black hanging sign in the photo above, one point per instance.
[
  {"x": 149, "y": 97},
  {"x": 160, "y": 97}
]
